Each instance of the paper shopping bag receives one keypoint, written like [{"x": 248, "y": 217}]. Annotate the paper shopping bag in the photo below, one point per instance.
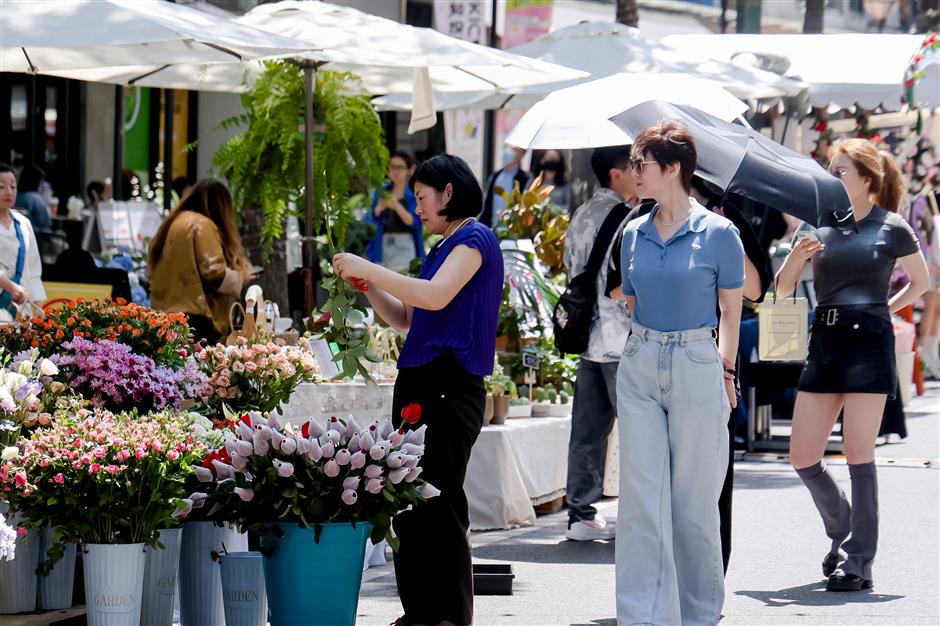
[{"x": 783, "y": 330}]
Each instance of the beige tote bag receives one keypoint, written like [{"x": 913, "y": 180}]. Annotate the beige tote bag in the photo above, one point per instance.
[{"x": 783, "y": 329}]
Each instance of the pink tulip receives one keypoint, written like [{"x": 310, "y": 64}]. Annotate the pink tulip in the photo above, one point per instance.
[
  {"x": 331, "y": 469},
  {"x": 412, "y": 448},
  {"x": 396, "y": 439},
  {"x": 223, "y": 470},
  {"x": 244, "y": 432},
  {"x": 230, "y": 448},
  {"x": 373, "y": 471},
  {"x": 353, "y": 444},
  {"x": 352, "y": 427},
  {"x": 265, "y": 432},
  {"x": 243, "y": 448},
  {"x": 239, "y": 462},
  {"x": 198, "y": 498},
  {"x": 428, "y": 491},
  {"x": 284, "y": 469},
  {"x": 385, "y": 428},
  {"x": 413, "y": 473},
  {"x": 183, "y": 507},
  {"x": 203, "y": 474},
  {"x": 375, "y": 485},
  {"x": 274, "y": 422},
  {"x": 333, "y": 437},
  {"x": 288, "y": 445},
  {"x": 246, "y": 494},
  {"x": 398, "y": 475},
  {"x": 377, "y": 452},
  {"x": 416, "y": 436},
  {"x": 395, "y": 460},
  {"x": 366, "y": 441},
  {"x": 350, "y": 497},
  {"x": 256, "y": 419},
  {"x": 411, "y": 461},
  {"x": 351, "y": 483},
  {"x": 343, "y": 457},
  {"x": 260, "y": 445},
  {"x": 314, "y": 452},
  {"x": 358, "y": 460},
  {"x": 303, "y": 445},
  {"x": 315, "y": 429},
  {"x": 276, "y": 439},
  {"x": 328, "y": 451}
]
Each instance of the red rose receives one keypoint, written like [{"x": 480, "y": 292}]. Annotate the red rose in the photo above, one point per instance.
[
  {"x": 877, "y": 138},
  {"x": 246, "y": 420},
  {"x": 305, "y": 430},
  {"x": 361, "y": 285},
  {"x": 411, "y": 413},
  {"x": 909, "y": 82},
  {"x": 821, "y": 126}
]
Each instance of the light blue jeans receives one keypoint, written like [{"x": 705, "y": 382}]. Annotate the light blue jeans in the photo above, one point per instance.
[{"x": 673, "y": 413}]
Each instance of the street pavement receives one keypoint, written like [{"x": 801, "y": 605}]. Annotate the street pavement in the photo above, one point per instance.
[{"x": 778, "y": 544}]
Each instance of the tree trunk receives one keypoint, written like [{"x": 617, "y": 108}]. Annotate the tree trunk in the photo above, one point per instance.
[
  {"x": 274, "y": 278},
  {"x": 813, "y": 16},
  {"x": 928, "y": 15},
  {"x": 628, "y": 13}
]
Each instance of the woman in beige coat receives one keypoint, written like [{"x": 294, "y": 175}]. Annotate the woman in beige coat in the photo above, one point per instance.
[{"x": 197, "y": 263}]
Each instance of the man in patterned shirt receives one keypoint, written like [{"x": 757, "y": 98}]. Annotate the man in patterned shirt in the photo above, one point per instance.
[{"x": 595, "y": 395}]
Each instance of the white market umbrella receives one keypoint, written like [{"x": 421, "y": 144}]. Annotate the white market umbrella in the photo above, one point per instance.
[
  {"x": 382, "y": 53},
  {"x": 844, "y": 69},
  {"x": 603, "y": 49},
  {"x": 60, "y": 35},
  {"x": 579, "y": 117}
]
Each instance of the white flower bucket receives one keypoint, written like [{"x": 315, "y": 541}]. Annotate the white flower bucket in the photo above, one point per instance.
[
  {"x": 18, "y": 580},
  {"x": 114, "y": 581},
  {"x": 243, "y": 592},
  {"x": 160, "y": 571},
  {"x": 55, "y": 590},
  {"x": 199, "y": 580}
]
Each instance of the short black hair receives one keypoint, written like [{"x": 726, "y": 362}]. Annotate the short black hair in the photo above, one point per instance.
[
  {"x": 7, "y": 169},
  {"x": 94, "y": 190},
  {"x": 605, "y": 159},
  {"x": 30, "y": 178},
  {"x": 404, "y": 156},
  {"x": 442, "y": 169},
  {"x": 667, "y": 143}
]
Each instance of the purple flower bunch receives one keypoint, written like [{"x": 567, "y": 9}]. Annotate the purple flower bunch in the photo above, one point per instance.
[{"x": 112, "y": 376}]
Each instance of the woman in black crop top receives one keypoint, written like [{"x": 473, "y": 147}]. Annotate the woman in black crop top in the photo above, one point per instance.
[{"x": 851, "y": 352}]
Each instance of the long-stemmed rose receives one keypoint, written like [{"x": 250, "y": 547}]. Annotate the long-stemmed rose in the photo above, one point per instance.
[{"x": 337, "y": 472}]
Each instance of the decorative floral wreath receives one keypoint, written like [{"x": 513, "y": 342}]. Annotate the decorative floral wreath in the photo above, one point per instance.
[{"x": 914, "y": 73}]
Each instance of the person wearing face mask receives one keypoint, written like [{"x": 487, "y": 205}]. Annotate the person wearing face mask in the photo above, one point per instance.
[
  {"x": 554, "y": 172},
  {"x": 510, "y": 174},
  {"x": 450, "y": 313},
  {"x": 851, "y": 363},
  {"x": 20, "y": 265}
]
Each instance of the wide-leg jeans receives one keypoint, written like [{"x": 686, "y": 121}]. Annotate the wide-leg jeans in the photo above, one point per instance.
[{"x": 673, "y": 410}]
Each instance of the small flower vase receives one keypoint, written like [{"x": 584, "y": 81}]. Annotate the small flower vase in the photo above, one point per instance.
[
  {"x": 18, "y": 580},
  {"x": 200, "y": 582},
  {"x": 55, "y": 590},
  {"x": 326, "y": 575},
  {"x": 243, "y": 592},
  {"x": 160, "y": 573},
  {"x": 114, "y": 581}
]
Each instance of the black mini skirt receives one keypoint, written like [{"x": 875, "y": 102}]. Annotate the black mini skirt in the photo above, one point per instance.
[{"x": 850, "y": 351}]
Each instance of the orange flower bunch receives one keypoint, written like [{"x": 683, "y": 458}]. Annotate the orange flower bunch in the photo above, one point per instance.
[{"x": 164, "y": 337}]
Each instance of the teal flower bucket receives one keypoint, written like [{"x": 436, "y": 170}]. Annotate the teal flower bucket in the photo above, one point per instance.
[{"x": 316, "y": 584}]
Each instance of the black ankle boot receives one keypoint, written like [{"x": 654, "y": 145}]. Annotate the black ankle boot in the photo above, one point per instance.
[{"x": 831, "y": 563}]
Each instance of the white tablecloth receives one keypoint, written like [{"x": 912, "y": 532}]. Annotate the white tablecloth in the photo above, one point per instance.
[{"x": 364, "y": 402}]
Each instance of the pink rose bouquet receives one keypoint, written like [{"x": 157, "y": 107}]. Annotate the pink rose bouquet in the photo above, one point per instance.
[
  {"x": 318, "y": 473},
  {"x": 254, "y": 377},
  {"x": 101, "y": 478}
]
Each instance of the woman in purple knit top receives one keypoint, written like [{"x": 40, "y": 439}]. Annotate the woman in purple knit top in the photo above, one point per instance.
[{"x": 450, "y": 312}]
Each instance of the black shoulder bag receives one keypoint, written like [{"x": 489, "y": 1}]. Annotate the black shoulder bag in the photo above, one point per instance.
[{"x": 575, "y": 309}]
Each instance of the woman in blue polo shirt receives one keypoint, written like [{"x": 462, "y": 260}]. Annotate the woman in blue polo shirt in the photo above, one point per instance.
[
  {"x": 450, "y": 312},
  {"x": 675, "y": 387}
]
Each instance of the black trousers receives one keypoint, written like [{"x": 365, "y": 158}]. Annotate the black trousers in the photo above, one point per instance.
[
  {"x": 202, "y": 328},
  {"x": 432, "y": 565},
  {"x": 724, "y": 500}
]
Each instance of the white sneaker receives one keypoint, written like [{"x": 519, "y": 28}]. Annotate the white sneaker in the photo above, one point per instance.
[{"x": 590, "y": 530}]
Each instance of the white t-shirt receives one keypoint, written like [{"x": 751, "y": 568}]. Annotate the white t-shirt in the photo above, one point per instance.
[{"x": 9, "y": 249}]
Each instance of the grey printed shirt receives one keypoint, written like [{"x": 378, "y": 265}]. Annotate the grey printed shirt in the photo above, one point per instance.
[{"x": 611, "y": 324}]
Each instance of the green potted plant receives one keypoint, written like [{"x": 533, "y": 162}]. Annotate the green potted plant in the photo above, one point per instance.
[
  {"x": 497, "y": 386},
  {"x": 519, "y": 405},
  {"x": 552, "y": 401}
]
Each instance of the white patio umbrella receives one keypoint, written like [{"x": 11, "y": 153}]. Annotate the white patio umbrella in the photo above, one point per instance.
[
  {"x": 579, "y": 116},
  {"x": 602, "y": 49},
  {"x": 381, "y": 52},
  {"x": 59, "y": 35},
  {"x": 844, "y": 69}
]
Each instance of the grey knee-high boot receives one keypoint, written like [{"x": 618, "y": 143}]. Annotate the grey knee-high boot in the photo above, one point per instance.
[
  {"x": 862, "y": 545},
  {"x": 831, "y": 503}
]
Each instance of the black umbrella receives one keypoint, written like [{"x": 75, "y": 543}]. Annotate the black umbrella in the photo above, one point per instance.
[{"x": 742, "y": 161}]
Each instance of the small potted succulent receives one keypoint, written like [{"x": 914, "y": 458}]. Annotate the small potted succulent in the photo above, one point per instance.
[
  {"x": 497, "y": 386},
  {"x": 551, "y": 402},
  {"x": 519, "y": 405}
]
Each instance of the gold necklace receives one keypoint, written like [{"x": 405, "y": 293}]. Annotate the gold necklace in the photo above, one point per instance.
[{"x": 674, "y": 222}]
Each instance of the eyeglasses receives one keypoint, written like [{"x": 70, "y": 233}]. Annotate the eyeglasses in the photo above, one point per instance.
[
  {"x": 839, "y": 172},
  {"x": 637, "y": 166}
]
